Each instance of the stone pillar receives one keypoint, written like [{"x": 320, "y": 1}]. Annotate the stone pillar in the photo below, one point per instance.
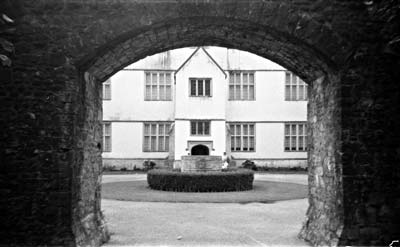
[{"x": 324, "y": 218}]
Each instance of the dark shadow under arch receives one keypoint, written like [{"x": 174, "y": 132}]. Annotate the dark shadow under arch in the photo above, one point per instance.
[{"x": 200, "y": 150}]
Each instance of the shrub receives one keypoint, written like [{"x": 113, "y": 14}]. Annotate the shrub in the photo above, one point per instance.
[
  {"x": 169, "y": 180},
  {"x": 148, "y": 165},
  {"x": 248, "y": 164}
]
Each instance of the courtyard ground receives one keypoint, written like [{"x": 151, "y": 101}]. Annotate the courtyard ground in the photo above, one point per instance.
[{"x": 205, "y": 224}]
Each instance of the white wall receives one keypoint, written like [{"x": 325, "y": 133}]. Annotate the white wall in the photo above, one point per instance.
[
  {"x": 127, "y": 100},
  {"x": 200, "y": 107},
  {"x": 127, "y": 139},
  {"x": 269, "y": 104},
  {"x": 182, "y": 136},
  {"x": 269, "y": 144}
]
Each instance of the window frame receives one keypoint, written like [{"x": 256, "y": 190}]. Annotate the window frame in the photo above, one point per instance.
[
  {"x": 158, "y": 85},
  {"x": 204, "y": 86},
  {"x": 197, "y": 127},
  {"x": 234, "y": 84},
  {"x": 106, "y": 84},
  {"x": 297, "y": 136},
  {"x": 233, "y": 135},
  {"x": 104, "y": 136},
  {"x": 167, "y": 127},
  {"x": 294, "y": 82}
]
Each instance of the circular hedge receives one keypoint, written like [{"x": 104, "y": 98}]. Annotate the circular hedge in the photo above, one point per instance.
[{"x": 169, "y": 180}]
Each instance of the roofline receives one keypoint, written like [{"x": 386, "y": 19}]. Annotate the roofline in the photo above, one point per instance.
[{"x": 190, "y": 57}]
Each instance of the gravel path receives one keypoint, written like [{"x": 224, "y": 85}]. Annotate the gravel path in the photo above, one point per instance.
[{"x": 205, "y": 224}]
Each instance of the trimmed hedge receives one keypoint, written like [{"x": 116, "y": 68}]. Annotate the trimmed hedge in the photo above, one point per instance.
[{"x": 168, "y": 180}]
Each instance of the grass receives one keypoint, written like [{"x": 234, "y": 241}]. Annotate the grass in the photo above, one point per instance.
[{"x": 263, "y": 192}]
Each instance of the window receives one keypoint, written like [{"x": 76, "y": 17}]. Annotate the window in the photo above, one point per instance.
[
  {"x": 106, "y": 137},
  {"x": 242, "y": 137},
  {"x": 107, "y": 90},
  {"x": 295, "y": 88},
  {"x": 241, "y": 85},
  {"x": 295, "y": 137},
  {"x": 200, "y": 128},
  {"x": 158, "y": 86},
  {"x": 200, "y": 87},
  {"x": 156, "y": 137}
]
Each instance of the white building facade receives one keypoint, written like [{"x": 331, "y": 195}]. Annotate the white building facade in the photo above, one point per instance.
[{"x": 204, "y": 101}]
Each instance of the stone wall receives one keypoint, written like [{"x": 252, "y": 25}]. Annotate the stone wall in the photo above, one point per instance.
[{"x": 50, "y": 156}]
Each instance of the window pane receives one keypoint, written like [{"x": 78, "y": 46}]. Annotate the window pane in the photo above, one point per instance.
[
  {"x": 200, "y": 128},
  {"x": 208, "y": 88},
  {"x": 153, "y": 143},
  {"x": 168, "y": 93},
  {"x": 245, "y": 92},
  {"x": 231, "y": 92},
  {"x": 167, "y": 143},
  {"x": 107, "y": 129},
  {"x": 161, "y": 143},
  {"x": 146, "y": 129},
  {"x": 107, "y": 91},
  {"x": 146, "y": 143},
  {"x": 301, "y": 126},
  {"x": 287, "y": 143},
  {"x": 293, "y": 143},
  {"x": 251, "y": 79},
  {"x": 107, "y": 144},
  {"x": 287, "y": 78},
  {"x": 148, "y": 92},
  {"x": 237, "y": 79},
  {"x": 232, "y": 143},
  {"x": 232, "y": 128},
  {"x": 237, "y": 143},
  {"x": 162, "y": 93},
  {"x": 245, "y": 143},
  {"x": 238, "y": 129},
  {"x": 207, "y": 128},
  {"x": 287, "y": 93},
  {"x": 245, "y": 79},
  {"x": 301, "y": 140},
  {"x": 148, "y": 79},
  {"x": 301, "y": 92},
  {"x": 252, "y": 144},
  {"x": 168, "y": 78},
  {"x": 251, "y": 132},
  {"x": 154, "y": 79},
  {"x": 161, "y": 79},
  {"x": 287, "y": 129},
  {"x": 294, "y": 94},
  {"x": 251, "y": 93},
  {"x": 231, "y": 78},
  {"x": 293, "y": 129},
  {"x": 200, "y": 88},
  {"x": 193, "y": 87},
  {"x": 245, "y": 129},
  {"x": 193, "y": 128},
  {"x": 153, "y": 129},
  {"x": 237, "y": 92},
  {"x": 154, "y": 92},
  {"x": 161, "y": 129}
]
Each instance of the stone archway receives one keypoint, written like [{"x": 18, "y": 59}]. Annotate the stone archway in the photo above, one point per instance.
[
  {"x": 200, "y": 150},
  {"x": 51, "y": 107}
]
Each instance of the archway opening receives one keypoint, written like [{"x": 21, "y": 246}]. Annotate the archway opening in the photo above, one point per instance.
[
  {"x": 324, "y": 216},
  {"x": 200, "y": 150}
]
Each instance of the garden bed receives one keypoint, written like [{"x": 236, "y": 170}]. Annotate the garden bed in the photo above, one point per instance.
[{"x": 169, "y": 180}]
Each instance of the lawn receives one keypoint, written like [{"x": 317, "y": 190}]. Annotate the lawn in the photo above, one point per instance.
[{"x": 263, "y": 192}]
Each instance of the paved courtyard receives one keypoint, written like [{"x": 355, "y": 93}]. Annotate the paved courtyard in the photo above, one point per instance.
[{"x": 205, "y": 224}]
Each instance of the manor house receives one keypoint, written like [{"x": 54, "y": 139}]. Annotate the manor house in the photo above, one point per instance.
[{"x": 204, "y": 101}]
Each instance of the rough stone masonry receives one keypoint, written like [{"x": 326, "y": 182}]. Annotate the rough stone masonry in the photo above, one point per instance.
[{"x": 50, "y": 155}]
